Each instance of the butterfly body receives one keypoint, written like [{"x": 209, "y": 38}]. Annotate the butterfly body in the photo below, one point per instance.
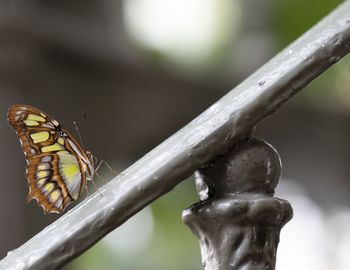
[{"x": 57, "y": 166}]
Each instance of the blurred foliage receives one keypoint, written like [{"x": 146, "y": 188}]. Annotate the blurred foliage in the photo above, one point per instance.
[
  {"x": 190, "y": 40},
  {"x": 290, "y": 19}
]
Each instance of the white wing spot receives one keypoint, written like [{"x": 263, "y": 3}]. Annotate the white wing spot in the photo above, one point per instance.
[
  {"x": 46, "y": 159},
  {"x": 55, "y": 122}
]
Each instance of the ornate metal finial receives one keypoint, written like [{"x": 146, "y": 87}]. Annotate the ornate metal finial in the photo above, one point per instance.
[{"x": 238, "y": 220}]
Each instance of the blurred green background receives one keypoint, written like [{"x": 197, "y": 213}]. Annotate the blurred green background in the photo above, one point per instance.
[{"x": 143, "y": 69}]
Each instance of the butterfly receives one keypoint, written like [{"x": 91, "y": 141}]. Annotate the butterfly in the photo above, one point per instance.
[{"x": 57, "y": 166}]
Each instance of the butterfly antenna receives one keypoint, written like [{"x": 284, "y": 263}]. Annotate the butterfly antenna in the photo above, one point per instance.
[
  {"x": 77, "y": 129},
  {"x": 95, "y": 187}
]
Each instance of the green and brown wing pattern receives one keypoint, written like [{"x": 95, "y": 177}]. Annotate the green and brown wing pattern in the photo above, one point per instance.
[{"x": 56, "y": 164}]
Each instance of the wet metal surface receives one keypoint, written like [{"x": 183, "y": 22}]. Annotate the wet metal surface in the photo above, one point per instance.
[{"x": 210, "y": 134}]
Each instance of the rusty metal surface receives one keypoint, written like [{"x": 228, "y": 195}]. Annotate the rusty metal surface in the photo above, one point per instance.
[{"x": 210, "y": 134}]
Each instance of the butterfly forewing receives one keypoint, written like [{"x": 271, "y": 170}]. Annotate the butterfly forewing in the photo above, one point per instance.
[
  {"x": 57, "y": 166},
  {"x": 33, "y": 127}
]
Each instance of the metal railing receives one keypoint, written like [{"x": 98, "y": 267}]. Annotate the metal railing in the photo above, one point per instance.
[{"x": 212, "y": 133}]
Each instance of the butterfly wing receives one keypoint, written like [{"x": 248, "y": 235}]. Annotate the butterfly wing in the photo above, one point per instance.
[
  {"x": 34, "y": 128},
  {"x": 45, "y": 183},
  {"x": 56, "y": 164}
]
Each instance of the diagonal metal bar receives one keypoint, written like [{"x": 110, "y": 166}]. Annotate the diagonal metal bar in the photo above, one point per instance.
[{"x": 210, "y": 134}]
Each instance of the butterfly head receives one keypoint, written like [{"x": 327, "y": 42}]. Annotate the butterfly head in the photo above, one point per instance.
[{"x": 90, "y": 167}]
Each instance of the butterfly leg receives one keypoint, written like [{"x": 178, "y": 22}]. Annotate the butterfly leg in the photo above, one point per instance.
[
  {"x": 87, "y": 191},
  {"x": 98, "y": 167},
  {"x": 98, "y": 175},
  {"x": 95, "y": 187},
  {"x": 110, "y": 168},
  {"x": 107, "y": 165}
]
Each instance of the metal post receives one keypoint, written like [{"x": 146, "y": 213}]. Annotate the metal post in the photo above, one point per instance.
[{"x": 238, "y": 220}]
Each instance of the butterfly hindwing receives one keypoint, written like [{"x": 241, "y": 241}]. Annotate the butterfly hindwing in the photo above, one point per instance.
[
  {"x": 70, "y": 172},
  {"x": 45, "y": 183},
  {"x": 56, "y": 163}
]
